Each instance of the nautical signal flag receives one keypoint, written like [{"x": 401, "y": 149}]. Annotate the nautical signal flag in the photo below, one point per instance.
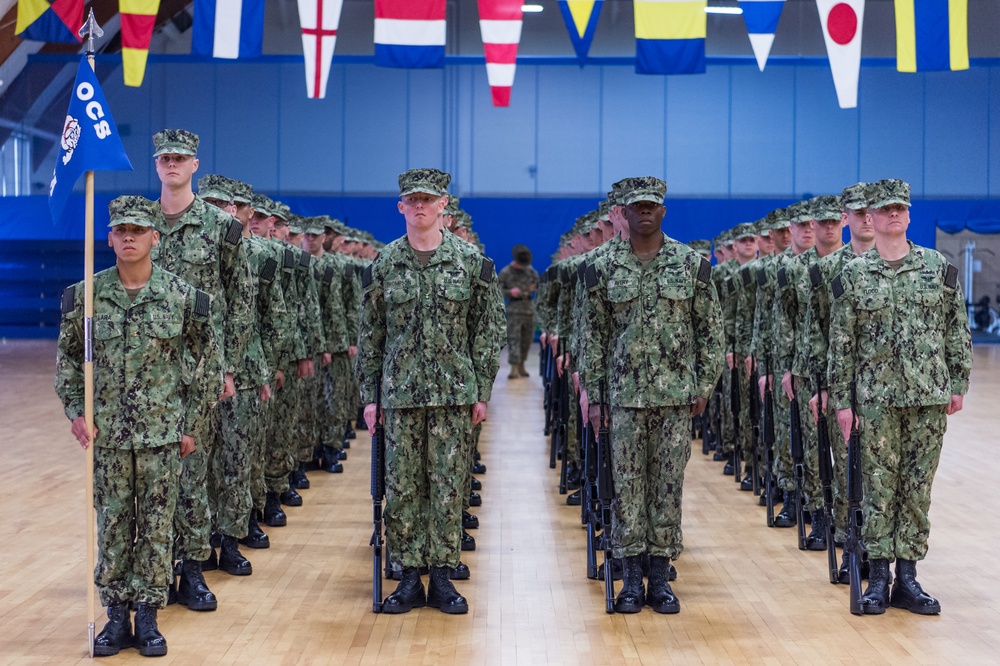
[
  {"x": 581, "y": 17},
  {"x": 932, "y": 35},
  {"x": 89, "y": 141},
  {"x": 500, "y": 24},
  {"x": 138, "y": 20},
  {"x": 842, "y": 21},
  {"x": 670, "y": 36},
  {"x": 49, "y": 20},
  {"x": 228, "y": 28},
  {"x": 319, "y": 20},
  {"x": 410, "y": 33},
  {"x": 761, "y": 17}
]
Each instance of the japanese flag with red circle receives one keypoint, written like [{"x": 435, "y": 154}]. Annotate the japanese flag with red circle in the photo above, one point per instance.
[{"x": 842, "y": 21}]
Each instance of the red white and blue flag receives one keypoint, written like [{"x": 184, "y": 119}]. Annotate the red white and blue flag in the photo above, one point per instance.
[
  {"x": 500, "y": 24},
  {"x": 410, "y": 33},
  {"x": 228, "y": 28},
  {"x": 761, "y": 17},
  {"x": 319, "y": 20}
]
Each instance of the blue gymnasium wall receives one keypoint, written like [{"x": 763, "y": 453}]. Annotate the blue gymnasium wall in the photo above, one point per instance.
[{"x": 732, "y": 144}]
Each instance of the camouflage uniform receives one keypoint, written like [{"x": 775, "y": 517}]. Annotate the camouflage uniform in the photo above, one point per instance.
[
  {"x": 903, "y": 336},
  {"x": 656, "y": 334},
  {"x": 520, "y": 310},
  {"x": 171, "y": 373},
  {"x": 433, "y": 334}
]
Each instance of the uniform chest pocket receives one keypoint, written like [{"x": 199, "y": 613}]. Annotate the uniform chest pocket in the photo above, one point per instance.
[
  {"x": 400, "y": 292},
  {"x": 199, "y": 251},
  {"x": 107, "y": 329},
  {"x": 623, "y": 291},
  {"x": 162, "y": 327}
]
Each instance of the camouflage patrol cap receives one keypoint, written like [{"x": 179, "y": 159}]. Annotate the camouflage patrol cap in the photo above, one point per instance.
[
  {"x": 744, "y": 230},
  {"x": 645, "y": 188},
  {"x": 139, "y": 211},
  {"x": 702, "y": 246},
  {"x": 262, "y": 204},
  {"x": 825, "y": 208},
  {"x": 242, "y": 192},
  {"x": 798, "y": 213},
  {"x": 335, "y": 227},
  {"x": 314, "y": 225},
  {"x": 175, "y": 142},
  {"x": 214, "y": 186},
  {"x": 281, "y": 211},
  {"x": 294, "y": 223},
  {"x": 853, "y": 197},
  {"x": 887, "y": 192},
  {"x": 727, "y": 237},
  {"x": 762, "y": 228},
  {"x": 463, "y": 219},
  {"x": 430, "y": 181},
  {"x": 452, "y": 207},
  {"x": 778, "y": 219}
]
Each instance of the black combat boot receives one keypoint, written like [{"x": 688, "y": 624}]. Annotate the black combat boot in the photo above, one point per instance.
[
  {"x": 409, "y": 594},
  {"x": 360, "y": 421},
  {"x": 255, "y": 537},
  {"x": 469, "y": 521},
  {"x": 730, "y": 467},
  {"x": 231, "y": 560},
  {"x": 478, "y": 468},
  {"x": 441, "y": 594},
  {"x": 116, "y": 634},
  {"x": 907, "y": 594},
  {"x": 817, "y": 536},
  {"x": 340, "y": 452},
  {"x": 575, "y": 498},
  {"x": 461, "y": 572},
  {"x": 476, "y": 484},
  {"x": 328, "y": 461},
  {"x": 573, "y": 477},
  {"x": 719, "y": 456},
  {"x": 148, "y": 639},
  {"x": 632, "y": 597},
  {"x": 747, "y": 482},
  {"x": 876, "y": 596},
  {"x": 468, "y": 542},
  {"x": 660, "y": 597},
  {"x": 786, "y": 517},
  {"x": 290, "y": 497},
  {"x": 349, "y": 433},
  {"x": 211, "y": 563},
  {"x": 192, "y": 591},
  {"x": 297, "y": 478},
  {"x": 844, "y": 574},
  {"x": 475, "y": 499},
  {"x": 273, "y": 515}
]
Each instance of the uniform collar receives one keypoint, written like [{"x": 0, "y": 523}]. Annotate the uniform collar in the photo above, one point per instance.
[
  {"x": 914, "y": 260},
  {"x": 192, "y": 217},
  {"x": 112, "y": 289}
]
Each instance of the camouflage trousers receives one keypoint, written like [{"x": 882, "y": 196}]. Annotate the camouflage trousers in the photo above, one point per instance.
[
  {"x": 744, "y": 438},
  {"x": 238, "y": 441},
  {"x": 343, "y": 396},
  {"x": 192, "y": 519},
  {"x": 649, "y": 451},
  {"x": 259, "y": 455},
  {"x": 900, "y": 450},
  {"x": 782, "y": 439},
  {"x": 839, "y": 450},
  {"x": 728, "y": 434},
  {"x": 135, "y": 490},
  {"x": 520, "y": 333},
  {"x": 284, "y": 433},
  {"x": 474, "y": 434},
  {"x": 427, "y": 459},
  {"x": 811, "y": 489},
  {"x": 312, "y": 412}
]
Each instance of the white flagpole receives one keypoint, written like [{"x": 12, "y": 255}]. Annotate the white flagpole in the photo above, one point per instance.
[{"x": 89, "y": 30}]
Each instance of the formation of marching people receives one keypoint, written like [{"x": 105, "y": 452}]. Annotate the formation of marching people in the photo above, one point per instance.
[
  {"x": 224, "y": 344},
  {"x": 820, "y": 373}
]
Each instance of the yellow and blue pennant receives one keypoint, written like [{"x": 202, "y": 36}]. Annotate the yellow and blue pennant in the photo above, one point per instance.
[
  {"x": 581, "y": 17},
  {"x": 932, "y": 35},
  {"x": 670, "y": 36}
]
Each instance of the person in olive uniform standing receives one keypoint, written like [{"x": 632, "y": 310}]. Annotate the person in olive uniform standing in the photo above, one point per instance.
[{"x": 517, "y": 282}]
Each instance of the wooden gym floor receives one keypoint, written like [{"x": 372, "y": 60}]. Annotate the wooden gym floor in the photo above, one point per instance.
[{"x": 748, "y": 594}]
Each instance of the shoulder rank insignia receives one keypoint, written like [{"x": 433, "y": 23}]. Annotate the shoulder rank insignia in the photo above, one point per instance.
[
  {"x": 202, "y": 303},
  {"x": 581, "y": 270},
  {"x": 951, "y": 277},
  {"x": 591, "y": 276},
  {"x": 267, "y": 272},
  {"x": 366, "y": 277},
  {"x": 782, "y": 278},
  {"x": 69, "y": 299},
  {"x": 730, "y": 286},
  {"x": 747, "y": 278},
  {"x": 704, "y": 271},
  {"x": 304, "y": 260},
  {"x": 328, "y": 274},
  {"x": 761, "y": 277},
  {"x": 234, "y": 232},
  {"x": 486, "y": 272},
  {"x": 815, "y": 275},
  {"x": 838, "y": 287},
  {"x": 289, "y": 261},
  {"x": 349, "y": 271}
]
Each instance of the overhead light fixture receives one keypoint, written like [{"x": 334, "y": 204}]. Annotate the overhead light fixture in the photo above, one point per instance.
[
  {"x": 723, "y": 10},
  {"x": 531, "y": 9}
]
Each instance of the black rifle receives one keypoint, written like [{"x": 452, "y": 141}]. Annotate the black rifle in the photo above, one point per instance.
[
  {"x": 563, "y": 427},
  {"x": 548, "y": 369},
  {"x": 555, "y": 400},
  {"x": 588, "y": 498},
  {"x": 756, "y": 443},
  {"x": 798, "y": 468},
  {"x": 734, "y": 403},
  {"x": 605, "y": 494},
  {"x": 826, "y": 481},
  {"x": 768, "y": 437},
  {"x": 855, "y": 517},
  {"x": 378, "y": 493}
]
